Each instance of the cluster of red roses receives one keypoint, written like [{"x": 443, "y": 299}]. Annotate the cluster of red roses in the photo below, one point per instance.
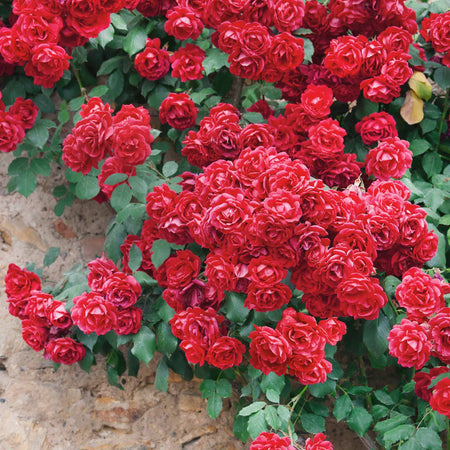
[
  {"x": 435, "y": 29},
  {"x": 125, "y": 139},
  {"x": 271, "y": 441},
  {"x": 154, "y": 62},
  {"x": 13, "y": 123},
  {"x": 424, "y": 332},
  {"x": 45, "y": 321},
  {"x": 110, "y": 304}
]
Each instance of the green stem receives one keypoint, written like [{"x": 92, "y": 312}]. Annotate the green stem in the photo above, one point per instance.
[
  {"x": 80, "y": 84},
  {"x": 443, "y": 118},
  {"x": 294, "y": 402},
  {"x": 363, "y": 372},
  {"x": 393, "y": 306},
  {"x": 154, "y": 169}
]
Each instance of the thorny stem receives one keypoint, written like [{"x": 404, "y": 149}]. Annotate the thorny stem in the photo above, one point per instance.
[
  {"x": 80, "y": 84},
  {"x": 443, "y": 117},
  {"x": 238, "y": 93},
  {"x": 294, "y": 402}
]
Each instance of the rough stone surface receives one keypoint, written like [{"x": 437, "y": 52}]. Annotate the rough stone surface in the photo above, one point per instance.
[{"x": 70, "y": 409}]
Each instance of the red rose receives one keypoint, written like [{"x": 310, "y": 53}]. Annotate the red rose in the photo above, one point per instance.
[
  {"x": 318, "y": 442},
  {"x": 35, "y": 29},
  {"x": 58, "y": 316},
  {"x": 390, "y": 159},
  {"x": 93, "y": 314},
  {"x": 265, "y": 272},
  {"x": 86, "y": 17},
  {"x": 183, "y": 23},
  {"x": 25, "y": 111},
  {"x": 361, "y": 297},
  {"x": 269, "y": 298},
  {"x": 17, "y": 307},
  {"x": 187, "y": 63},
  {"x": 440, "y": 334},
  {"x": 333, "y": 330},
  {"x": 254, "y": 40},
  {"x": 288, "y": 14},
  {"x": 182, "y": 269},
  {"x": 262, "y": 107},
  {"x": 286, "y": 52},
  {"x": 65, "y": 350},
  {"x": 269, "y": 350},
  {"x": 179, "y": 111},
  {"x": 440, "y": 398},
  {"x": 395, "y": 39},
  {"x": 160, "y": 202},
  {"x": 47, "y": 65},
  {"x": 34, "y": 334},
  {"x": 344, "y": 56},
  {"x": 410, "y": 342},
  {"x": 128, "y": 320},
  {"x": 220, "y": 272},
  {"x": 20, "y": 282},
  {"x": 328, "y": 138},
  {"x": 423, "y": 380},
  {"x": 225, "y": 352},
  {"x": 376, "y": 127},
  {"x": 421, "y": 295},
  {"x": 121, "y": 290},
  {"x": 37, "y": 307},
  {"x": 438, "y": 31},
  {"x": 12, "y": 49},
  {"x": 194, "y": 351},
  {"x": 316, "y": 101},
  {"x": 153, "y": 62},
  {"x": 426, "y": 247},
  {"x": 397, "y": 69},
  {"x": 380, "y": 89},
  {"x": 271, "y": 441},
  {"x": 11, "y": 132}
]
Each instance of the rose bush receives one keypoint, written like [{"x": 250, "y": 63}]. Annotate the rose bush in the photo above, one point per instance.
[{"x": 279, "y": 173}]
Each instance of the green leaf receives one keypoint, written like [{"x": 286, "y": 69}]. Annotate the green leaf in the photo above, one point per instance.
[
  {"x": 438, "y": 378},
  {"x": 419, "y": 146},
  {"x": 115, "y": 178},
  {"x": 410, "y": 444},
  {"x": 160, "y": 252},
  {"x": 98, "y": 91},
  {"x": 383, "y": 397},
  {"x": 170, "y": 168},
  {"x": 106, "y": 36},
  {"x": 252, "y": 408},
  {"x": 207, "y": 388},
  {"x": 26, "y": 182},
  {"x": 312, "y": 423},
  {"x": 342, "y": 407},
  {"x": 87, "y": 361},
  {"x": 87, "y": 187},
  {"x": 442, "y": 77},
  {"x": 214, "y": 60},
  {"x": 121, "y": 197},
  {"x": 427, "y": 125},
  {"x": 223, "y": 388},
  {"x": 38, "y": 135},
  {"x": 18, "y": 166},
  {"x": 115, "y": 83},
  {"x": 438, "y": 259},
  {"x": 214, "y": 405},
  {"x": 166, "y": 342},
  {"x": 359, "y": 421},
  {"x": 309, "y": 49},
  {"x": 375, "y": 335},
  {"x": 272, "y": 418},
  {"x": 88, "y": 340},
  {"x": 134, "y": 42},
  {"x": 234, "y": 308},
  {"x": 118, "y": 22},
  {"x": 428, "y": 438},
  {"x": 51, "y": 256},
  {"x": 135, "y": 258},
  {"x": 240, "y": 428},
  {"x": 113, "y": 376},
  {"x": 272, "y": 385},
  {"x": 162, "y": 375},
  {"x": 109, "y": 65},
  {"x": 257, "y": 424},
  {"x": 400, "y": 433},
  {"x": 253, "y": 117},
  {"x": 432, "y": 163},
  {"x": 389, "y": 424},
  {"x": 379, "y": 411},
  {"x": 144, "y": 345},
  {"x": 320, "y": 390},
  {"x": 75, "y": 103},
  {"x": 40, "y": 166}
]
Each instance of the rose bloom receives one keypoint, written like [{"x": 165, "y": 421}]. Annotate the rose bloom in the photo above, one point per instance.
[
  {"x": 128, "y": 320},
  {"x": 220, "y": 272},
  {"x": 58, "y": 316},
  {"x": 65, "y": 350},
  {"x": 25, "y": 111},
  {"x": 93, "y": 314},
  {"x": 179, "y": 111},
  {"x": 11, "y": 132},
  {"x": 225, "y": 352},
  {"x": 423, "y": 380},
  {"x": 121, "y": 290},
  {"x": 269, "y": 298},
  {"x": 47, "y": 64},
  {"x": 195, "y": 351},
  {"x": 183, "y": 23},
  {"x": 440, "y": 334},
  {"x": 376, "y": 127},
  {"x": 410, "y": 342},
  {"x": 187, "y": 63},
  {"x": 286, "y": 52},
  {"x": 20, "y": 282},
  {"x": 344, "y": 56},
  {"x": 153, "y": 62},
  {"x": 182, "y": 268},
  {"x": 316, "y": 101},
  {"x": 288, "y": 14},
  {"x": 390, "y": 159},
  {"x": 421, "y": 295},
  {"x": 269, "y": 350},
  {"x": 380, "y": 89},
  {"x": 436, "y": 29},
  {"x": 318, "y": 442},
  {"x": 440, "y": 398},
  {"x": 34, "y": 334},
  {"x": 333, "y": 330},
  {"x": 271, "y": 441}
]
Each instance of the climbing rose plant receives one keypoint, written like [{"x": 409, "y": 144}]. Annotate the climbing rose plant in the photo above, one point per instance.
[{"x": 279, "y": 172}]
